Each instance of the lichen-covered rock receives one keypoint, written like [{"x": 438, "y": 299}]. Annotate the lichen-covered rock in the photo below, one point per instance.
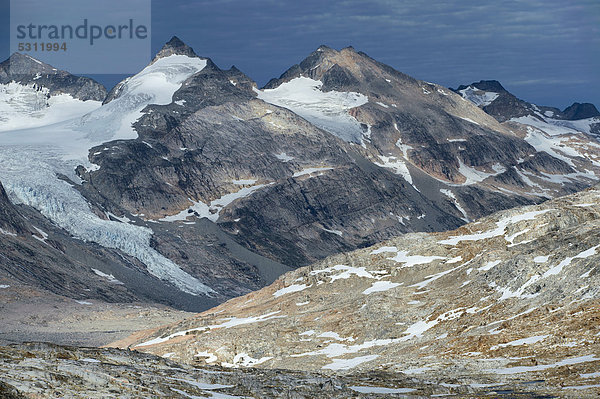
[
  {"x": 37, "y": 370},
  {"x": 511, "y": 297}
]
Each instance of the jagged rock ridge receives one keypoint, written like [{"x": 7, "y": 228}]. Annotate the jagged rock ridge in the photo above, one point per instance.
[{"x": 494, "y": 99}]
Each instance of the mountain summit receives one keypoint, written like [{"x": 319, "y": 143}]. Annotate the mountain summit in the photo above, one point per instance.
[
  {"x": 494, "y": 99},
  {"x": 22, "y": 64},
  {"x": 175, "y": 46},
  {"x": 580, "y": 111},
  {"x": 25, "y": 70}
]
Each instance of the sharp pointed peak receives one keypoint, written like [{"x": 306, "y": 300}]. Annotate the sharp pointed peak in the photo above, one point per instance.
[
  {"x": 175, "y": 46},
  {"x": 175, "y": 42}
]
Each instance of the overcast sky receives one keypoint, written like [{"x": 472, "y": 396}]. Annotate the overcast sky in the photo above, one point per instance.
[{"x": 547, "y": 52}]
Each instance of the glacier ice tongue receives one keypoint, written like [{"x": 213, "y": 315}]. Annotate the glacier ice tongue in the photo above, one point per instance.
[
  {"x": 33, "y": 182},
  {"x": 31, "y": 159}
]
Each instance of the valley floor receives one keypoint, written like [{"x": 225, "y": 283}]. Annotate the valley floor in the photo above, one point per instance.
[
  {"x": 37, "y": 370},
  {"x": 32, "y": 315}
]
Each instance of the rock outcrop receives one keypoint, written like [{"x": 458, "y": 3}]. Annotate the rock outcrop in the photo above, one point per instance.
[
  {"x": 510, "y": 298},
  {"x": 26, "y": 70},
  {"x": 49, "y": 371}
]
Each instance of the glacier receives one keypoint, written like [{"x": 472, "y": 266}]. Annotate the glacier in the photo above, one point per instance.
[
  {"x": 32, "y": 159},
  {"x": 28, "y": 106}
]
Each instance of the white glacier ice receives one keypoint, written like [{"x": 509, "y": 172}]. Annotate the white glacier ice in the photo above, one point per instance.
[
  {"x": 31, "y": 159},
  {"x": 26, "y": 106}
]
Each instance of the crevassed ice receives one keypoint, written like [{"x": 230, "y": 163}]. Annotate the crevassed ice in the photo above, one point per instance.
[
  {"x": 33, "y": 182},
  {"x": 24, "y": 107},
  {"x": 32, "y": 158}
]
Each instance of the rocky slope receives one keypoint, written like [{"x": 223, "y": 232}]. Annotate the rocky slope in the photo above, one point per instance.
[
  {"x": 39, "y": 172},
  {"x": 28, "y": 71},
  {"x": 494, "y": 99},
  {"x": 442, "y": 145},
  {"x": 49, "y": 371},
  {"x": 297, "y": 189},
  {"x": 512, "y": 298},
  {"x": 191, "y": 176},
  {"x": 37, "y": 255},
  {"x": 427, "y": 159}
]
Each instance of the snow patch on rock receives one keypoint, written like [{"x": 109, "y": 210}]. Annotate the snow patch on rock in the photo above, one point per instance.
[{"x": 327, "y": 110}]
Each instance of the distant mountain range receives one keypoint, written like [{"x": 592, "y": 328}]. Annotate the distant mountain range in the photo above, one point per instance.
[
  {"x": 502, "y": 105},
  {"x": 190, "y": 179}
]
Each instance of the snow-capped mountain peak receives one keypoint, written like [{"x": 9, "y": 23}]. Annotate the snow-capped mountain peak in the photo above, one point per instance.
[
  {"x": 155, "y": 84},
  {"x": 34, "y": 94},
  {"x": 493, "y": 98}
]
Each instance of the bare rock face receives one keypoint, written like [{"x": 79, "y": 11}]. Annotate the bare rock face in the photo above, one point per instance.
[
  {"x": 11, "y": 222},
  {"x": 175, "y": 47},
  {"x": 577, "y": 119},
  {"x": 580, "y": 111},
  {"x": 494, "y": 99},
  {"x": 430, "y": 136},
  {"x": 508, "y": 299}
]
